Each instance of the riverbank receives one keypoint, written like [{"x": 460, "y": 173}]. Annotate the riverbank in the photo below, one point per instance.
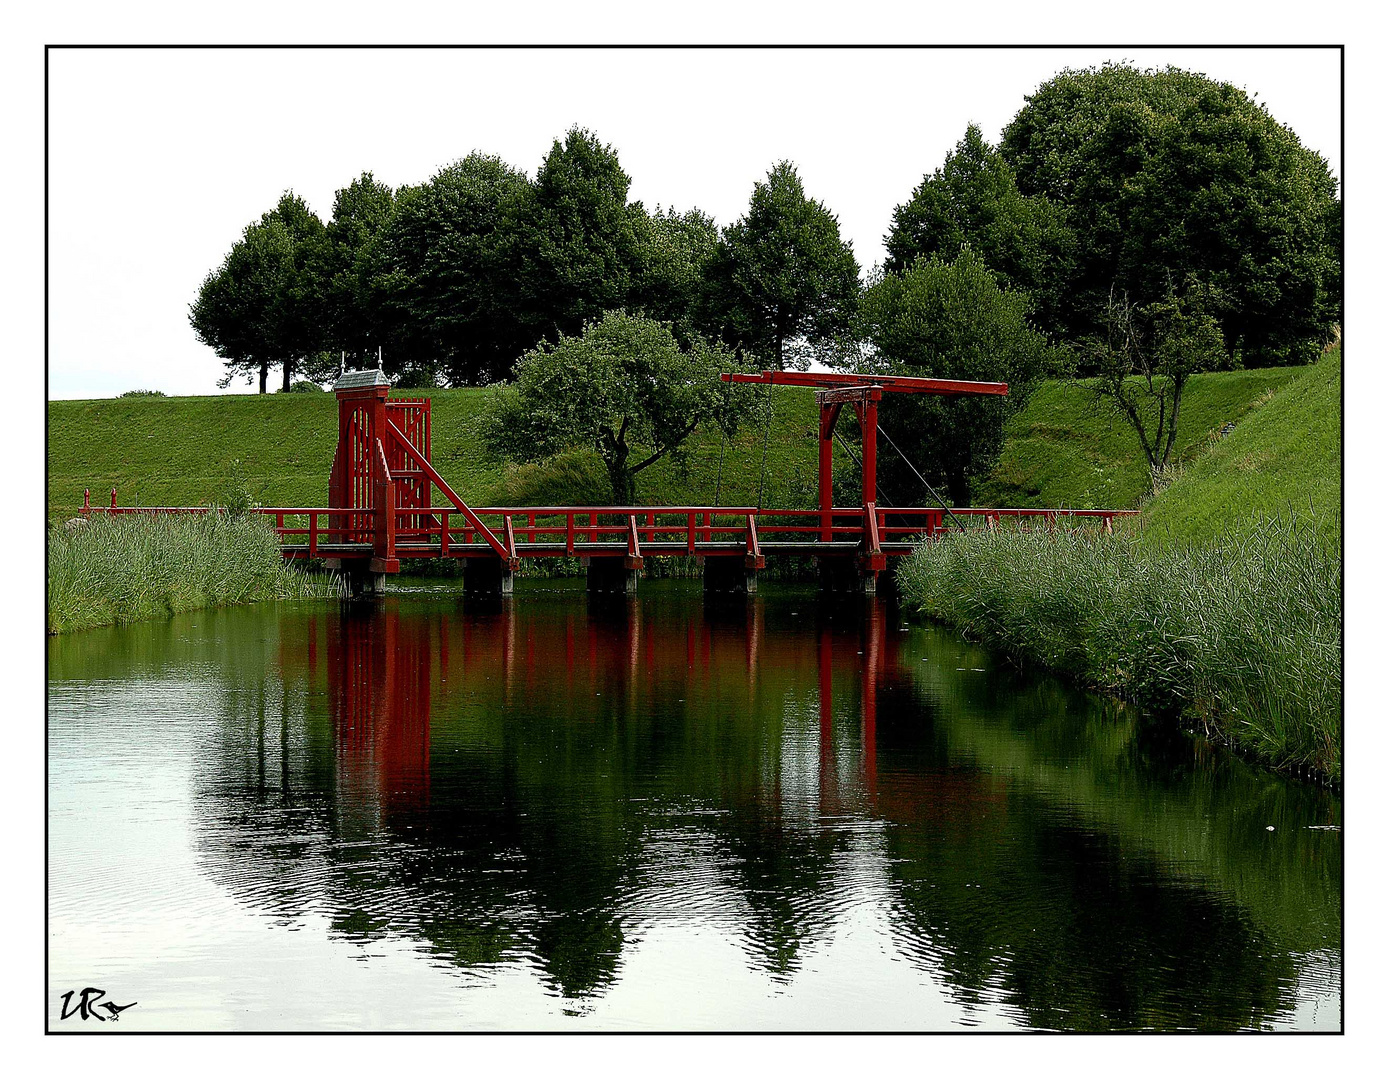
[
  {"x": 113, "y": 570},
  {"x": 1220, "y": 608}
]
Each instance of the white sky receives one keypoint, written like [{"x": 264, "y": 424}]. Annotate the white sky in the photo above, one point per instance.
[{"x": 158, "y": 159}]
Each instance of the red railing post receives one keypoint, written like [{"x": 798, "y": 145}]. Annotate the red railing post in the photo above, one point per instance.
[
  {"x": 113, "y": 498},
  {"x": 313, "y": 535}
]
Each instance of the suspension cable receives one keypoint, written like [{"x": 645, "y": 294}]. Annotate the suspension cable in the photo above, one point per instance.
[
  {"x": 766, "y": 431},
  {"x": 882, "y": 494},
  {"x": 934, "y": 493}
]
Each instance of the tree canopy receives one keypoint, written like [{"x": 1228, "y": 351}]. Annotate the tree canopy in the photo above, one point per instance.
[
  {"x": 262, "y": 307},
  {"x": 1171, "y": 182},
  {"x": 624, "y": 387},
  {"x": 973, "y": 201},
  {"x": 949, "y": 320},
  {"x": 782, "y": 274}
]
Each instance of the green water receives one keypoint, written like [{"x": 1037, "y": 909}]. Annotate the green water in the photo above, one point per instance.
[{"x": 555, "y": 813}]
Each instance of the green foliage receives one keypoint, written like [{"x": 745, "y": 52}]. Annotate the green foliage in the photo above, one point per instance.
[
  {"x": 577, "y": 240},
  {"x": 143, "y": 394},
  {"x": 973, "y": 201},
  {"x": 949, "y": 320},
  {"x": 442, "y": 275},
  {"x": 625, "y": 381},
  {"x": 112, "y": 570},
  {"x": 1172, "y": 181},
  {"x": 1241, "y": 634},
  {"x": 782, "y": 281},
  {"x": 351, "y": 321},
  {"x": 676, "y": 250},
  {"x": 263, "y": 307},
  {"x": 303, "y": 386}
]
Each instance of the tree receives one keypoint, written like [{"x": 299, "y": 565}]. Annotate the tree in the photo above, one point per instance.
[
  {"x": 262, "y": 307},
  {"x": 576, "y": 246},
  {"x": 1144, "y": 361},
  {"x": 1170, "y": 177},
  {"x": 441, "y": 277},
  {"x": 781, "y": 274},
  {"x": 361, "y": 212},
  {"x": 950, "y": 320},
  {"x": 675, "y": 251},
  {"x": 973, "y": 200},
  {"x": 624, "y": 383}
]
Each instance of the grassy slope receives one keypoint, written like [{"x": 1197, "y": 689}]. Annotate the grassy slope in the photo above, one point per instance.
[
  {"x": 162, "y": 451},
  {"x": 190, "y": 451},
  {"x": 1285, "y": 457},
  {"x": 1062, "y": 451}
]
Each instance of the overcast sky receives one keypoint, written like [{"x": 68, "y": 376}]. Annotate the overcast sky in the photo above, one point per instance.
[{"x": 158, "y": 159}]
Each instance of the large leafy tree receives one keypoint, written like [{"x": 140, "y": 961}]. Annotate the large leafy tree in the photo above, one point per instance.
[
  {"x": 949, "y": 320},
  {"x": 973, "y": 200},
  {"x": 1174, "y": 183},
  {"x": 576, "y": 246},
  {"x": 361, "y": 211},
  {"x": 625, "y": 388},
  {"x": 441, "y": 279},
  {"x": 262, "y": 307},
  {"x": 675, "y": 251},
  {"x": 781, "y": 279}
]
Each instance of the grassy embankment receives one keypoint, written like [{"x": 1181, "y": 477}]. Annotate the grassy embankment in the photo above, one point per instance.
[
  {"x": 123, "y": 569},
  {"x": 192, "y": 451},
  {"x": 1220, "y": 606}
]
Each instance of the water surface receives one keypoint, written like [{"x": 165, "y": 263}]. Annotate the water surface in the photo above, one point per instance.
[{"x": 661, "y": 813}]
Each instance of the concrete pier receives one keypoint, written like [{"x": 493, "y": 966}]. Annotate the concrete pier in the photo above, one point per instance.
[
  {"x": 845, "y": 575},
  {"x": 483, "y": 576},
  {"x": 729, "y": 575},
  {"x": 611, "y": 576}
]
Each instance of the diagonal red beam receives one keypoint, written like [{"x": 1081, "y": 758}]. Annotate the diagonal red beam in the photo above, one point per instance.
[
  {"x": 901, "y": 384},
  {"x": 463, "y": 508}
]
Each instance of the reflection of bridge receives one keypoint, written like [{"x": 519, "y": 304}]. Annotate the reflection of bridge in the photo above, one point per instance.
[
  {"x": 381, "y": 508},
  {"x": 382, "y": 672}
]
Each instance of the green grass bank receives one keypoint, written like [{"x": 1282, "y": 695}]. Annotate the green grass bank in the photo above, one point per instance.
[
  {"x": 279, "y": 449},
  {"x": 123, "y": 569},
  {"x": 1219, "y": 607}
]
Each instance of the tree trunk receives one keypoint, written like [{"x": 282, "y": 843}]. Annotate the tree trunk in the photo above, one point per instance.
[
  {"x": 619, "y": 476},
  {"x": 289, "y": 369},
  {"x": 264, "y": 374}
]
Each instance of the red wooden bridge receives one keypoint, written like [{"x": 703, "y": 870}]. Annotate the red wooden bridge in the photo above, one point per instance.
[{"x": 381, "y": 510}]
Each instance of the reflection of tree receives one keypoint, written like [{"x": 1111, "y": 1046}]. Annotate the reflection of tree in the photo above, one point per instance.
[{"x": 488, "y": 783}]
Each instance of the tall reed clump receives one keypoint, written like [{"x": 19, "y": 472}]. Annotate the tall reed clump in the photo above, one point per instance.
[
  {"x": 130, "y": 567},
  {"x": 1241, "y": 635}
]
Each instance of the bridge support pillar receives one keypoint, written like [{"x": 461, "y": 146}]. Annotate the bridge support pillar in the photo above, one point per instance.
[
  {"x": 729, "y": 575},
  {"x": 362, "y": 581},
  {"x": 847, "y": 576},
  {"x": 483, "y": 576},
  {"x": 610, "y": 575}
]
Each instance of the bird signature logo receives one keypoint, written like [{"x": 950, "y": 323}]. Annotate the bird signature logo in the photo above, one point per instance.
[{"x": 90, "y": 1006}]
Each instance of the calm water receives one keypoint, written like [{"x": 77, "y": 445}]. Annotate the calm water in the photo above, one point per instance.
[{"x": 552, "y": 813}]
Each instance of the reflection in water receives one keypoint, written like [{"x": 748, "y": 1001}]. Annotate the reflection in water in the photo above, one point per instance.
[{"x": 546, "y": 782}]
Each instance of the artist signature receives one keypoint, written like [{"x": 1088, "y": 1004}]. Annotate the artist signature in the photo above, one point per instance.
[{"x": 90, "y": 1006}]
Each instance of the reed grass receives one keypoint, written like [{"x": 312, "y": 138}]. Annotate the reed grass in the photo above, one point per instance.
[
  {"x": 114, "y": 570},
  {"x": 1240, "y": 635}
]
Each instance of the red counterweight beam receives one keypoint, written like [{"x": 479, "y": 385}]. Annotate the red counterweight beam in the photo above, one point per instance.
[{"x": 897, "y": 384}]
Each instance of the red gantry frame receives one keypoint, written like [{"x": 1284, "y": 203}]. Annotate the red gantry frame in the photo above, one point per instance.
[{"x": 380, "y": 493}]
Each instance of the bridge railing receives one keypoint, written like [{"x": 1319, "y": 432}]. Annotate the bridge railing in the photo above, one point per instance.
[{"x": 574, "y": 530}]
